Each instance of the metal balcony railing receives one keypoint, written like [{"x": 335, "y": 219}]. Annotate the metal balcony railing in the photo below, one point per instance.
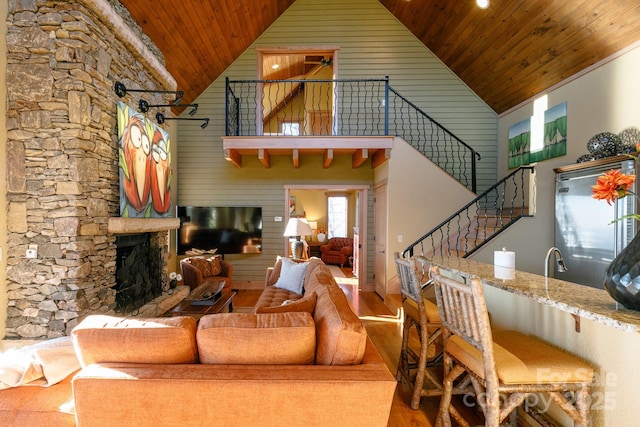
[
  {"x": 345, "y": 107},
  {"x": 479, "y": 221}
]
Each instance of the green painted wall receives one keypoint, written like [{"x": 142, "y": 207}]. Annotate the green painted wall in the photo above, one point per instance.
[{"x": 372, "y": 44}]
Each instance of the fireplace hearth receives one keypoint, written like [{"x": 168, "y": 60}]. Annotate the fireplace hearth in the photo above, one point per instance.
[{"x": 139, "y": 277}]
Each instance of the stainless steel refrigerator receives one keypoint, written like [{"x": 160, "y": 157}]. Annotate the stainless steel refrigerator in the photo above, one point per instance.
[{"x": 586, "y": 230}]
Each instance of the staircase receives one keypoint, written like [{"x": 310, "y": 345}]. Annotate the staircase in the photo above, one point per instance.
[{"x": 480, "y": 220}]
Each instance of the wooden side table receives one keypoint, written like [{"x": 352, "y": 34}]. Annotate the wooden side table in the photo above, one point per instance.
[{"x": 314, "y": 249}]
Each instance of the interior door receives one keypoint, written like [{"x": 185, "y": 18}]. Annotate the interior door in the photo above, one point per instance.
[{"x": 380, "y": 239}]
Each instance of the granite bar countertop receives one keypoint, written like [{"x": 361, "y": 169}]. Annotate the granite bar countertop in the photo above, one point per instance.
[{"x": 584, "y": 301}]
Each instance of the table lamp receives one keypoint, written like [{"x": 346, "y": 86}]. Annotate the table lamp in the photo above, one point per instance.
[
  {"x": 297, "y": 227},
  {"x": 314, "y": 227}
]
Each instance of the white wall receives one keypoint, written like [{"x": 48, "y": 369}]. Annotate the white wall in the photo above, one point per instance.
[
  {"x": 605, "y": 99},
  {"x": 417, "y": 200}
]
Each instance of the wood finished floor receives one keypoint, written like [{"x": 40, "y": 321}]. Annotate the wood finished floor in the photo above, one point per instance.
[{"x": 385, "y": 329}]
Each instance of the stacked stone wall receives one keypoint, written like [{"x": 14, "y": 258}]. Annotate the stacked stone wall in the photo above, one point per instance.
[{"x": 62, "y": 159}]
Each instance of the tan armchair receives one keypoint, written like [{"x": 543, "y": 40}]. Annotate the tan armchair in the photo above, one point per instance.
[
  {"x": 337, "y": 250},
  {"x": 200, "y": 270}
]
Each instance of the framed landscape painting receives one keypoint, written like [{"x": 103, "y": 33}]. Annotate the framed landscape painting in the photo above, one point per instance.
[{"x": 519, "y": 142}]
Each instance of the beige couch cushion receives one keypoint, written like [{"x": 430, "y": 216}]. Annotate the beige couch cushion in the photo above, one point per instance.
[
  {"x": 342, "y": 336},
  {"x": 100, "y": 338},
  {"x": 257, "y": 339},
  {"x": 522, "y": 359}
]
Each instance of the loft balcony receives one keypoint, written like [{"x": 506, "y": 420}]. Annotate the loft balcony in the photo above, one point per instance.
[
  {"x": 295, "y": 118},
  {"x": 355, "y": 117},
  {"x": 377, "y": 148}
]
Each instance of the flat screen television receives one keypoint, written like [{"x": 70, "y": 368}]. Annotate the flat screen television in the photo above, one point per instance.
[{"x": 228, "y": 230}]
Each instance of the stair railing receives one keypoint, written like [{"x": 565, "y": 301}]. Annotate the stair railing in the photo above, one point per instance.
[
  {"x": 344, "y": 107},
  {"x": 480, "y": 220},
  {"x": 430, "y": 138}
]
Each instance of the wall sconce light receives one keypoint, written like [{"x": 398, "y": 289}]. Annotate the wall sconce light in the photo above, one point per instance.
[
  {"x": 121, "y": 90},
  {"x": 144, "y": 106},
  {"x": 160, "y": 118}
]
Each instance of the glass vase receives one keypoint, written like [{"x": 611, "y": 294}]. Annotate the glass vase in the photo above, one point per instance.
[{"x": 622, "y": 276}]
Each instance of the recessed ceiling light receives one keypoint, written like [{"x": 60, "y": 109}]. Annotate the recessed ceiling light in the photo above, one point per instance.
[
  {"x": 482, "y": 4},
  {"x": 275, "y": 66}
]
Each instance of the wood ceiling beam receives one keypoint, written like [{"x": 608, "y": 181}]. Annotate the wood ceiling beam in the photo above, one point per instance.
[
  {"x": 359, "y": 157},
  {"x": 327, "y": 158},
  {"x": 380, "y": 156},
  {"x": 264, "y": 157},
  {"x": 295, "y": 157},
  {"x": 234, "y": 157},
  {"x": 359, "y": 148}
]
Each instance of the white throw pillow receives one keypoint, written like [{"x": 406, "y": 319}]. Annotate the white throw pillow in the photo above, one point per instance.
[{"x": 292, "y": 276}]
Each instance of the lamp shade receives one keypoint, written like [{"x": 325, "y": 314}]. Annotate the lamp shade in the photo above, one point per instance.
[{"x": 297, "y": 227}]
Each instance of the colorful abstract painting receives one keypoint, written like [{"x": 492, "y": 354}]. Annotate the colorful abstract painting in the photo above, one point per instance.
[{"x": 144, "y": 158}]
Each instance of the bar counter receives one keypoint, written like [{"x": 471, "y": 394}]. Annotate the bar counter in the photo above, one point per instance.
[
  {"x": 583, "y": 301},
  {"x": 583, "y": 320}
]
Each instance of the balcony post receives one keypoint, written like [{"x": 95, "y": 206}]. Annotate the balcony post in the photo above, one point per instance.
[
  {"x": 386, "y": 105},
  {"x": 226, "y": 106}
]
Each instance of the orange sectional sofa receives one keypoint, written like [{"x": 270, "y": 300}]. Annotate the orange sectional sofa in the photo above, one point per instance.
[{"x": 308, "y": 363}]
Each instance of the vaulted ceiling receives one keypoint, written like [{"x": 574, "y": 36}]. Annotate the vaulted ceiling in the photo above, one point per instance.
[{"x": 506, "y": 54}]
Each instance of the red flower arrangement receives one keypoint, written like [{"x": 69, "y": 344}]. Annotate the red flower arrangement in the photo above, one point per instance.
[{"x": 613, "y": 185}]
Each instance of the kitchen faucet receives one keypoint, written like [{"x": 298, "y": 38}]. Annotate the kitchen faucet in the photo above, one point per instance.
[{"x": 561, "y": 265}]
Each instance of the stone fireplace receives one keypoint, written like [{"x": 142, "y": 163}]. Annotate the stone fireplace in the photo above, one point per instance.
[{"x": 63, "y": 59}]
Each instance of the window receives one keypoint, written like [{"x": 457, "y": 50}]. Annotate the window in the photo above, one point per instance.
[
  {"x": 291, "y": 128},
  {"x": 337, "y": 215}
]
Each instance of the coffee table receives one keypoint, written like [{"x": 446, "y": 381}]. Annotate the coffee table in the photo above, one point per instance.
[{"x": 224, "y": 304}]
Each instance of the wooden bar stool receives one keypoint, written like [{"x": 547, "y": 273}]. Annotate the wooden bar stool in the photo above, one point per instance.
[
  {"x": 421, "y": 314},
  {"x": 505, "y": 364}
]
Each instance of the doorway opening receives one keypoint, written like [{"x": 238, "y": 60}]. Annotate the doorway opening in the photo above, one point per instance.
[
  {"x": 297, "y": 92},
  {"x": 310, "y": 202}
]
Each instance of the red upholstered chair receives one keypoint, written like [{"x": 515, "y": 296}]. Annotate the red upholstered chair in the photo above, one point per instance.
[
  {"x": 200, "y": 270},
  {"x": 337, "y": 250}
]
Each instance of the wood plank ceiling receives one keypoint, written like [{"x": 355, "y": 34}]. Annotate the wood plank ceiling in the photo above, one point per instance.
[{"x": 507, "y": 53}]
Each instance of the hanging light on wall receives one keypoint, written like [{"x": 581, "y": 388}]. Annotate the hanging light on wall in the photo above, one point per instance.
[
  {"x": 160, "y": 118},
  {"x": 121, "y": 90},
  {"x": 144, "y": 106}
]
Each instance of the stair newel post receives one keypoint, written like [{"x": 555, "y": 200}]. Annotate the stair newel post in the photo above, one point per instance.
[
  {"x": 473, "y": 172},
  {"x": 226, "y": 106}
]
